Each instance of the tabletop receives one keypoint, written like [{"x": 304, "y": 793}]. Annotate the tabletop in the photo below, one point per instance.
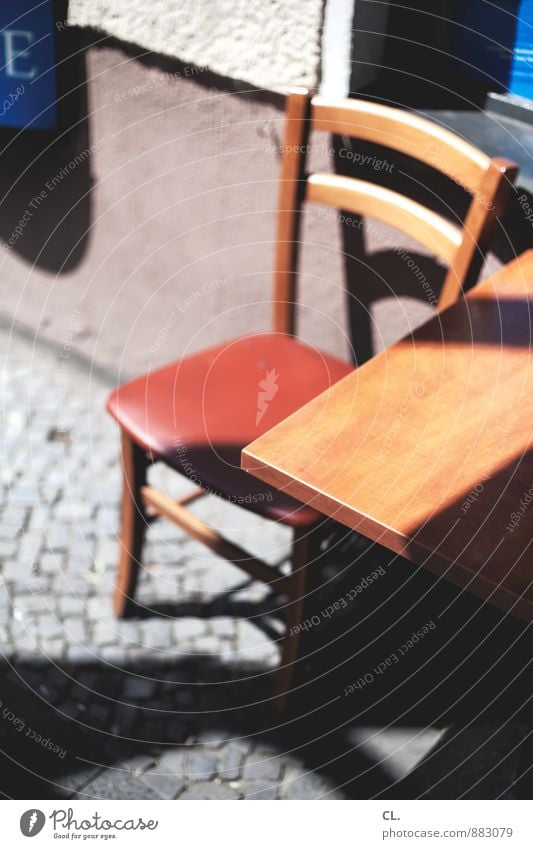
[{"x": 426, "y": 448}]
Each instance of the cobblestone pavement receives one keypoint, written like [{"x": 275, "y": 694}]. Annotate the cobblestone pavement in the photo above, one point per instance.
[{"x": 171, "y": 703}]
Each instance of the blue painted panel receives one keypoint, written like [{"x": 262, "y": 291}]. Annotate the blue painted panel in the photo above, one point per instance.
[
  {"x": 494, "y": 42},
  {"x": 27, "y": 64},
  {"x": 521, "y": 79},
  {"x": 484, "y": 40}
]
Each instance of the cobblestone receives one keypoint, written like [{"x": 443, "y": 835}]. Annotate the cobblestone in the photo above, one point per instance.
[
  {"x": 119, "y": 785},
  {"x": 302, "y": 784},
  {"x": 8, "y": 548},
  {"x": 231, "y": 761},
  {"x": 16, "y": 571},
  {"x": 263, "y": 766},
  {"x": 139, "y": 688},
  {"x": 211, "y": 790},
  {"x": 156, "y": 634},
  {"x": 31, "y": 603},
  {"x": 75, "y": 630},
  {"x": 166, "y": 784},
  {"x": 49, "y": 627},
  {"x": 201, "y": 765},
  {"x": 69, "y": 605},
  {"x": 188, "y": 629},
  {"x": 258, "y": 789}
]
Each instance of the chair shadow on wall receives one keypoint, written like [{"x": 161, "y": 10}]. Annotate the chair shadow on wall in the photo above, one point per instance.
[{"x": 378, "y": 270}]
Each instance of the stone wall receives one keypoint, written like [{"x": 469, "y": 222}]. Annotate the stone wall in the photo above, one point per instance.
[{"x": 270, "y": 45}]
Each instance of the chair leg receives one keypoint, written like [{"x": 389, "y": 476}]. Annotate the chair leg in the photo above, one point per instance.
[
  {"x": 133, "y": 524},
  {"x": 301, "y": 547}
]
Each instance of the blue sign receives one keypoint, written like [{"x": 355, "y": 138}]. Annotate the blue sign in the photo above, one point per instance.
[
  {"x": 495, "y": 43},
  {"x": 521, "y": 79},
  {"x": 27, "y": 64}
]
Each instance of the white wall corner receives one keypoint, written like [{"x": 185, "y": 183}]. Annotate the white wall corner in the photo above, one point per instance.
[{"x": 353, "y": 39}]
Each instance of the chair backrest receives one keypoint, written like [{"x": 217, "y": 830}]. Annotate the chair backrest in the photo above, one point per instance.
[{"x": 461, "y": 246}]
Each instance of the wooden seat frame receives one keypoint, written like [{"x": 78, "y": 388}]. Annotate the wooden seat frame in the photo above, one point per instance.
[{"x": 487, "y": 180}]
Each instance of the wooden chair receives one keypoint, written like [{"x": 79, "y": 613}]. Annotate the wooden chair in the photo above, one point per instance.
[{"x": 197, "y": 414}]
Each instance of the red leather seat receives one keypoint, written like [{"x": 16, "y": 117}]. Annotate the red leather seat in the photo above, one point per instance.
[{"x": 197, "y": 414}]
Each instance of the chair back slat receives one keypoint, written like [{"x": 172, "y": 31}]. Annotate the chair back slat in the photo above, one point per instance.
[
  {"x": 405, "y": 132},
  {"x": 488, "y": 181},
  {"x": 432, "y": 230}
]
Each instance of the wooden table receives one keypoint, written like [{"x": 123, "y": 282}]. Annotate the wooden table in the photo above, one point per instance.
[{"x": 426, "y": 448}]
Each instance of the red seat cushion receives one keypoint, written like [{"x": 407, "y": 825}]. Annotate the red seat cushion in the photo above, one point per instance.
[{"x": 197, "y": 414}]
